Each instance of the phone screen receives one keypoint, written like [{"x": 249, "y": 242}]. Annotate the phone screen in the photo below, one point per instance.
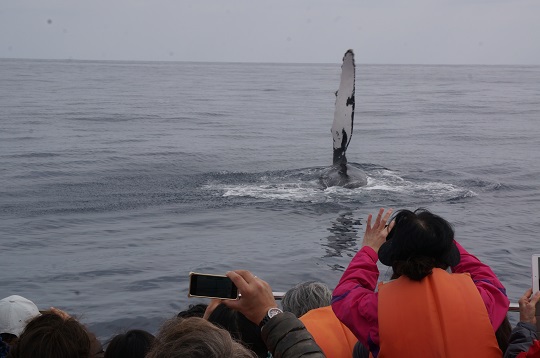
[
  {"x": 535, "y": 273},
  {"x": 538, "y": 274},
  {"x": 538, "y": 278},
  {"x": 213, "y": 286}
]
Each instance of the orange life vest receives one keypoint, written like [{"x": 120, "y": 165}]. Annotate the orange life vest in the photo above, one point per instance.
[
  {"x": 334, "y": 338},
  {"x": 443, "y": 315}
]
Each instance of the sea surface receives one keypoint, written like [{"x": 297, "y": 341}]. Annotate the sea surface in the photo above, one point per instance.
[{"x": 119, "y": 178}]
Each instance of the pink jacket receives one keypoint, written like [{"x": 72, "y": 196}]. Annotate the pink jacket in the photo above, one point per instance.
[{"x": 355, "y": 301}]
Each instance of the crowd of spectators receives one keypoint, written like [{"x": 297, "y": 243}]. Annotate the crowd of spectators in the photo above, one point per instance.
[{"x": 441, "y": 302}]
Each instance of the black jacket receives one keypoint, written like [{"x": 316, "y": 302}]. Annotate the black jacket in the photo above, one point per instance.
[
  {"x": 521, "y": 339},
  {"x": 287, "y": 337}
]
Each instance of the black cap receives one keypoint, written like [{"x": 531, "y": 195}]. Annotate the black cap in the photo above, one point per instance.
[{"x": 419, "y": 234}]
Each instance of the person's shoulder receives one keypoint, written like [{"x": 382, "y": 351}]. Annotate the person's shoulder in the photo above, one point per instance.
[{"x": 318, "y": 313}]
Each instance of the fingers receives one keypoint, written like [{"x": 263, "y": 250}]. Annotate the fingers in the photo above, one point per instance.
[
  {"x": 211, "y": 307},
  {"x": 529, "y": 299},
  {"x": 256, "y": 297},
  {"x": 245, "y": 281},
  {"x": 380, "y": 221},
  {"x": 527, "y": 306},
  {"x": 525, "y": 298},
  {"x": 387, "y": 215},
  {"x": 535, "y": 298},
  {"x": 241, "y": 278},
  {"x": 232, "y": 304},
  {"x": 246, "y": 275},
  {"x": 368, "y": 225}
]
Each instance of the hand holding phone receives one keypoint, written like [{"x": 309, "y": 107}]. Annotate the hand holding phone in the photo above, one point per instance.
[
  {"x": 257, "y": 296},
  {"x": 212, "y": 286}
]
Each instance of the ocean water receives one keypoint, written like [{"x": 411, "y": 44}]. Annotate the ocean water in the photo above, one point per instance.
[{"x": 119, "y": 178}]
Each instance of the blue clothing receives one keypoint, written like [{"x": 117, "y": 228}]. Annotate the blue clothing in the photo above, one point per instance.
[{"x": 4, "y": 348}]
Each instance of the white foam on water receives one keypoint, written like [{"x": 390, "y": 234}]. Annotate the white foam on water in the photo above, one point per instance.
[
  {"x": 380, "y": 181},
  {"x": 304, "y": 192},
  {"x": 389, "y": 181}
]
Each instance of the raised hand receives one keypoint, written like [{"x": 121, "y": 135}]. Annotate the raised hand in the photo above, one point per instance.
[{"x": 375, "y": 235}]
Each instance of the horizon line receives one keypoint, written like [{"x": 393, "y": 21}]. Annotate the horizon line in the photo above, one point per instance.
[{"x": 269, "y": 63}]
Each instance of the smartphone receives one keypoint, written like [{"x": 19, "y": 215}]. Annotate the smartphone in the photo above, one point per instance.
[
  {"x": 535, "y": 265},
  {"x": 212, "y": 286}
]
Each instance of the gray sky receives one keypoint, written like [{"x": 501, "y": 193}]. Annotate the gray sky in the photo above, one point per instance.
[{"x": 305, "y": 31}]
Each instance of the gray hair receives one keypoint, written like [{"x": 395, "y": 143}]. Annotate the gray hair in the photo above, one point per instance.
[
  {"x": 306, "y": 296},
  {"x": 195, "y": 337}
]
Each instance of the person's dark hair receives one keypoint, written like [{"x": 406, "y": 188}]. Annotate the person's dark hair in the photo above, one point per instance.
[
  {"x": 240, "y": 328},
  {"x": 306, "y": 296},
  {"x": 503, "y": 334},
  {"x": 8, "y": 338},
  {"x": 51, "y": 336},
  {"x": 195, "y": 337},
  {"x": 132, "y": 344},
  {"x": 4, "y": 348},
  {"x": 420, "y": 241},
  {"x": 193, "y": 311}
]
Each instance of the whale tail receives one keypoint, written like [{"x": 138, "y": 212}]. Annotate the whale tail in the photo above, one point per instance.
[
  {"x": 342, "y": 127},
  {"x": 341, "y": 173}
]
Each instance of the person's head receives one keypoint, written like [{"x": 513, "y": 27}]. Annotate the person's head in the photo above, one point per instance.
[
  {"x": 306, "y": 296},
  {"x": 51, "y": 336},
  {"x": 132, "y": 344},
  {"x": 193, "y": 311},
  {"x": 195, "y": 337},
  {"x": 15, "y": 313},
  {"x": 419, "y": 242},
  {"x": 240, "y": 328}
]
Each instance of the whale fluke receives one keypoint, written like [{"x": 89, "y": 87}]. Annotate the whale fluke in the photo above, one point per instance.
[
  {"x": 342, "y": 126},
  {"x": 341, "y": 173}
]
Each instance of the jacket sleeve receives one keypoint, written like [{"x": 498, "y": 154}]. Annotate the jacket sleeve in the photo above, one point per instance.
[
  {"x": 522, "y": 337},
  {"x": 354, "y": 299},
  {"x": 491, "y": 289},
  {"x": 286, "y": 336}
]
